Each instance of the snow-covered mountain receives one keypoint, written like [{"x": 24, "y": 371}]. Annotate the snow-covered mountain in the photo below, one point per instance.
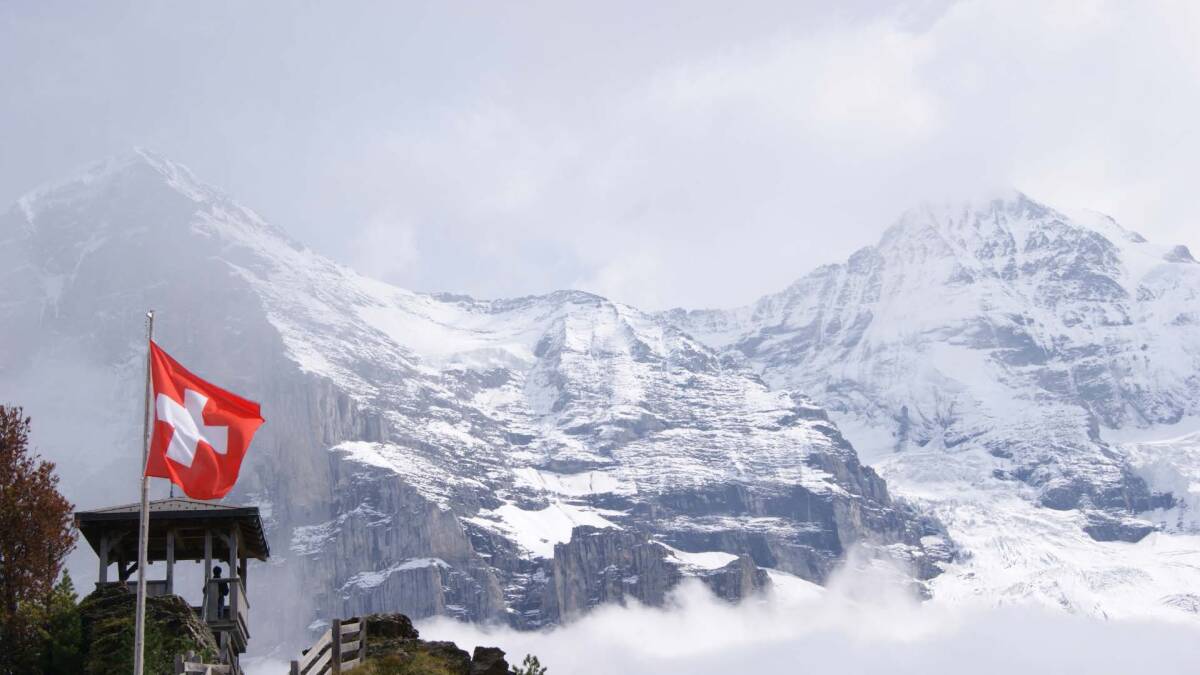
[
  {"x": 1019, "y": 371},
  {"x": 515, "y": 460}
]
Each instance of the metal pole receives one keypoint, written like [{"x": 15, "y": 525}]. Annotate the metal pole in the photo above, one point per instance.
[{"x": 139, "y": 636}]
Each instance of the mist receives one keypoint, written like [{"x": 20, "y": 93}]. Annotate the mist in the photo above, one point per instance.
[
  {"x": 850, "y": 628},
  {"x": 864, "y": 621},
  {"x": 679, "y": 154}
]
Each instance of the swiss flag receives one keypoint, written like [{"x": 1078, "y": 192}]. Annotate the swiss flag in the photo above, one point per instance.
[{"x": 201, "y": 432}]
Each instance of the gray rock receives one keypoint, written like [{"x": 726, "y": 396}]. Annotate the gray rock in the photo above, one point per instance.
[
  {"x": 1107, "y": 527},
  {"x": 488, "y": 661}
]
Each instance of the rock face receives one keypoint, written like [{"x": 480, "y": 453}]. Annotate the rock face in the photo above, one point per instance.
[
  {"x": 1003, "y": 326},
  {"x": 512, "y": 460}
]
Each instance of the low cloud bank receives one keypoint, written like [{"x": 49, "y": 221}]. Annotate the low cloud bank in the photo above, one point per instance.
[
  {"x": 857, "y": 625},
  {"x": 863, "y": 622}
]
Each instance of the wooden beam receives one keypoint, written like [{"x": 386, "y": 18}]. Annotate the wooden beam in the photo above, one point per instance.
[
  {"x": 170, "y": 562},
  {"x": 124, "y": 571},
  {"x": 335, "y": 650}
]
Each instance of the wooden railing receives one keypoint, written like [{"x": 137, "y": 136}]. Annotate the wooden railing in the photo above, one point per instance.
[
  {"x": 340, "y": 648},
  {"x": 221, "y": 610},
  {"x": 154, "y": 587},
  {"x": 188, "y": 665}
]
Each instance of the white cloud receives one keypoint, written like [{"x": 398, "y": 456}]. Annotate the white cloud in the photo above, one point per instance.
[
  {"x": 384, "y": 249},
  {"x": 636, "y": 273},
  {"x": 531, "y": 148},
  {"x": 858, "y": 85},
  {"x": 857, "y": 626}
]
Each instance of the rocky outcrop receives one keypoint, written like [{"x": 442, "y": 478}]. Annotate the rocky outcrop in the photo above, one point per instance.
[
  {"x": 1108, "y": 527},
  {"x": 737, "y": 580},
  {"x": 598, "y": 566},
  {"x": 395, "y": 646},
  {"x": 488, "y": 661},
  {"x": 172, "y": 628}
]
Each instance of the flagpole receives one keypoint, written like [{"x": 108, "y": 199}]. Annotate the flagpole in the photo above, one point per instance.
[{"x": 139, "y": 637}]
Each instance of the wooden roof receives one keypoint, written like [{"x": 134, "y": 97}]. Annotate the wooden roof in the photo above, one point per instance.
[{"x": 189, "y": 518}]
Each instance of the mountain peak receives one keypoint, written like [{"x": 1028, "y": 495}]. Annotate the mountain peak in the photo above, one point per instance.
[
  {"x": 138, "y": 191},
  {"x": 138, "y": 167},
  {"x": 971, "y": 209},
  {"x": 176, "y": 174}
]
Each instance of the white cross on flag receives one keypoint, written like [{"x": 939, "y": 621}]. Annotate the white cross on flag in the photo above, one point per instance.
[{"x": 201, "y": 432}]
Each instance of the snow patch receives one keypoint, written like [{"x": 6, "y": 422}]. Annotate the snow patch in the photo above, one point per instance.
[
  {"x": 570, "y": 484},
  {"x": 704, "y": 560},
  {"x": 538, "y": 531},
  {"x": 365, "y": 581}
]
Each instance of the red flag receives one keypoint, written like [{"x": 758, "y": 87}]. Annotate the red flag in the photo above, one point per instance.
[{"x": 201, "y": 432}]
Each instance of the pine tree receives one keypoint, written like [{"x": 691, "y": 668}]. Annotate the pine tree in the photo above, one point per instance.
[
  {"x": 530, "y": 666},
  {"x": 62, "y": 631},
  {"x": 36, "y": 535}
]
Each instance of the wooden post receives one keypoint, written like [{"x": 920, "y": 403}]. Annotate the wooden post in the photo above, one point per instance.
[
  {"x": 170, "y": 562},
  {"x": 233, "y": 551},
  {"x": 208, "y": 552},
  {"x": 295, "y": 670},
  {"x": 179, "y": 664},
  {"x": 207, "y": 569},
  {"x": 335, "y": 648},
  {"x": 362, "y": 639},
  {"x": 234, "y": 599},
  {"x": 103, "y": 559}
]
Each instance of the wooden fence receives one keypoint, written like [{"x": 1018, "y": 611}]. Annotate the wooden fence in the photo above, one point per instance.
[{"x": 340, "y": 648}]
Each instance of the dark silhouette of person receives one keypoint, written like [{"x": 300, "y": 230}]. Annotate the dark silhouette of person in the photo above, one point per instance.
[{"x": 221, "y": 593}]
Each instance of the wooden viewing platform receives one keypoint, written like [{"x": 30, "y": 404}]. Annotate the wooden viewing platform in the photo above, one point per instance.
[{"x": 186, "y": 530}]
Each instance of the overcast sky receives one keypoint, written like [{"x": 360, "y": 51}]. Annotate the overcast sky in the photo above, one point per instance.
[{"x": 663, "y": 154}]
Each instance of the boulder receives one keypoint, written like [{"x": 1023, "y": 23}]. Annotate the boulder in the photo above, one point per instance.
[{"x": 488, "y": 661}]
